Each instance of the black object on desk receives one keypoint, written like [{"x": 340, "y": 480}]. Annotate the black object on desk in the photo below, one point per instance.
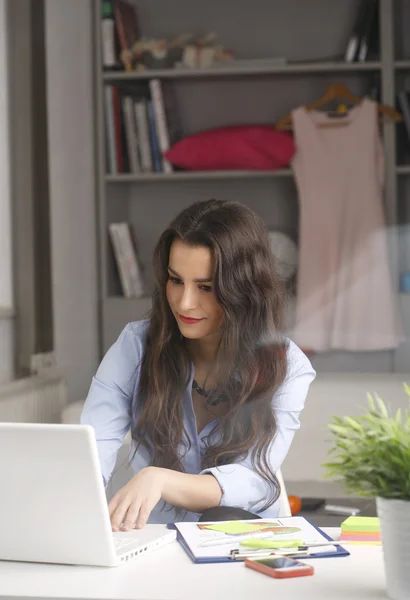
[{"x": 312, "y": 504}]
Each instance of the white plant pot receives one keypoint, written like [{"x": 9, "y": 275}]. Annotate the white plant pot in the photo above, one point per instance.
[{"x": 394, "y": 518}]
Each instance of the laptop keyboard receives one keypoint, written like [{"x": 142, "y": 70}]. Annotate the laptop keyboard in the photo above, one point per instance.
[{"x": 121, "y": 543}]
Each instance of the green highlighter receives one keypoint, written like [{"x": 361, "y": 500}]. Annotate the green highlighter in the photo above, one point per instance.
[{"x": 256, "y": 543}]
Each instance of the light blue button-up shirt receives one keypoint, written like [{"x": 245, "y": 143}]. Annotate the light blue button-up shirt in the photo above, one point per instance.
[{"x": 109, "y": 409}]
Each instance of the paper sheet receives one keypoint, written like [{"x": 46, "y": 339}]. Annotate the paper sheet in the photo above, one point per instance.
[
  {"x": 286, "y": 528},
  {"x": 235, "y": 527}
]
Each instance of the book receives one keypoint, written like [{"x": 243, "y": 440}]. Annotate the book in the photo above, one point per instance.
[
  {"x": 156, "y": 155},
  {"x": 131, "y": 134},
  {"x": 120, "y": 260},
  {"x": 194, "y": 537},
  {"x": 157, "y": 97},
  {"x": 352, "y": 49},
  {"x": 127, "y": 29},
  {"x": 133, "y": 263},
  {"x": 143, "y": 132},
  {"x": 108, "y": 34},
  {"x": 110, "y": 130},
  {"x": 126, "y": 167},
  {"x": 125, "y": 252},
  {"x": 118, "y": 132},
  {"x": 370, "y": 33},
  {"x": 373, "y": 50}
]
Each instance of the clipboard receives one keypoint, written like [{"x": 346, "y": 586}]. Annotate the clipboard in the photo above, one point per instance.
[{"x": 339, "y": 552}]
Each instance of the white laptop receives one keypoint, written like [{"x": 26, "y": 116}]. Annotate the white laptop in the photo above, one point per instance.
[{"x": 53, "y": 506}]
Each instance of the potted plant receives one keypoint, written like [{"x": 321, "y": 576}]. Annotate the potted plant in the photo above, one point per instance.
[{"x": 371, "y": 455}]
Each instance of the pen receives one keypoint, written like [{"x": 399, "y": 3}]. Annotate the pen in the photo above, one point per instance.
[
  {"x": 271, "y": 543},
  {"x": 276, "y": 554},
  {"x": 236, "y": 556},
  {"x": 342, "y": 510},
  {"x": 232, "y": 539},
  {"x": 297, "y": 544},
  {"x": 303, "y": 550}
]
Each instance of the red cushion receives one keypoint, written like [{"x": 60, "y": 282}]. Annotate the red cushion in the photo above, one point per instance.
[{"x": 240, "y": 147}]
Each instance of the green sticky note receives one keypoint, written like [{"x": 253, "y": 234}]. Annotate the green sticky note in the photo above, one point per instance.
[
  {"x": 361, "y": 524},
  {"x": 255, "y": 543},
  {"x": 234, "y": 527}
]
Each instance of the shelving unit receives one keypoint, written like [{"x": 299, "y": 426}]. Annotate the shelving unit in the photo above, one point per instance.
[
  {"x": 402, "y": 64},
  {"x": 196, "y": 175},
  {"x": 228, "y": 95},
  {"x": 243, "y": 71},
  {"x": 403, "y": 169}
]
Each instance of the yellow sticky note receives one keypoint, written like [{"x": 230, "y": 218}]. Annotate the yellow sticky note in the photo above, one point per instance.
[
  {"x": 234, "y": 527},
  {"x": 361, "y": 524}
]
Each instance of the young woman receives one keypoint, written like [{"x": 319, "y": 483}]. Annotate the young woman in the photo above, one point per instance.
[{"x": 208, "y": 385}]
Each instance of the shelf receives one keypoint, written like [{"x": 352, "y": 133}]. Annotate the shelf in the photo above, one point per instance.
[
  {"x": 189, "y": 175},
  {"x": 402, "y": 64},
  {"x": 197, "y": 175},
  {"x": 239, "y": 71},
  {"x": 403, "y": 169}
]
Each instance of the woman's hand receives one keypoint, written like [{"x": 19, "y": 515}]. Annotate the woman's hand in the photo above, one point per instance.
[{"x": 133, "y": 503}]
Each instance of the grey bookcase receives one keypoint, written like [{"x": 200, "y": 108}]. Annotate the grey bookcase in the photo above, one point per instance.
[{"x": 312, "y": 36}]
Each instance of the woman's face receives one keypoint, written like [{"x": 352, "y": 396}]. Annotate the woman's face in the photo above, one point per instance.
[{"x": 189, "y": 291}]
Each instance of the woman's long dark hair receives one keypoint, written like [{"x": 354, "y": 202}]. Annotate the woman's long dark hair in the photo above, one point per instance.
[{"x": 251, "y": 350}]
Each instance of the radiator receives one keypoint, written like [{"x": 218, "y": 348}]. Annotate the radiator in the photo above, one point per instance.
[{"x": 37, "y": 399}]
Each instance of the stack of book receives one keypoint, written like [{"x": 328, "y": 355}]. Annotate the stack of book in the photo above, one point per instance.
[
  {"x": 126, "y": 258},
  {"x": 141, "y": 123},
  {"x": 361, "y": 530},
  {"x": 119, "y": 31},
  {"x": 364, "y": 42}
]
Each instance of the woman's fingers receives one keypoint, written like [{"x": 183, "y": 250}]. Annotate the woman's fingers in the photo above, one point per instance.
[
  {"x": 118, "y": 515},
  {"x": 131, "y": 516},
  {"x": 112, "y": 505},
  {"x": 144, "y": 513},
  {"x": 136, "y": 500}
]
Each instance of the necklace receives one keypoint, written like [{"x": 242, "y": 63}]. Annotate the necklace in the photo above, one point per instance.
[{"x": 206, "y": 394}]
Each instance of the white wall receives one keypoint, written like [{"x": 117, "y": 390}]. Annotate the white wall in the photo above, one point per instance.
[
  {"x": 72, "y": 189},
  {"x": 6, "y": 283},
  {"x": 6, "y": 288},
  {"x": 335, "y": 394}
]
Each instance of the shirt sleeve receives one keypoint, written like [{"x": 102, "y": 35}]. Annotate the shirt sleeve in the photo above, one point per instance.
[
  {"x": 109, "y": 402},
  {"x": 241, "y": 485}
]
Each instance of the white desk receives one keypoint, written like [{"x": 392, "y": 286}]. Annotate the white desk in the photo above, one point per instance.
[{"x": 169, "y": 574}]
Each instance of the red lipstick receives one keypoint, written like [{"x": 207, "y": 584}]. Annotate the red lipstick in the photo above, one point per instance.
[{"x": 189, "y": 320}]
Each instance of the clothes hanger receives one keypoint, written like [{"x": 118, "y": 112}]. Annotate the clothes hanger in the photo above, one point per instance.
[{"x": 340, "y": 91}]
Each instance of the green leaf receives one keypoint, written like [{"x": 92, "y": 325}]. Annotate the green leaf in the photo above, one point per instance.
[
  {"x": 353, "y": 423},
  {"x": 371, "y": 453},
  {"x": 370, "y": 402},
  {"x": 382, "y": 407},
  {"x": 338, "y": 429}
]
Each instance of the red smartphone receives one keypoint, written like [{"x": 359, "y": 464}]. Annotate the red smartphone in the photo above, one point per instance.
[{"x": 280, "y": 567}]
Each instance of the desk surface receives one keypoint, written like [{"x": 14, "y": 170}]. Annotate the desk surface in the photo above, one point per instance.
[{"x": 169, "y": 574}]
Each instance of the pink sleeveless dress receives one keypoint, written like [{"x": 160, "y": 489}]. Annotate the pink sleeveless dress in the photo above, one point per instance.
[{"x": 345, "y": 298}]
